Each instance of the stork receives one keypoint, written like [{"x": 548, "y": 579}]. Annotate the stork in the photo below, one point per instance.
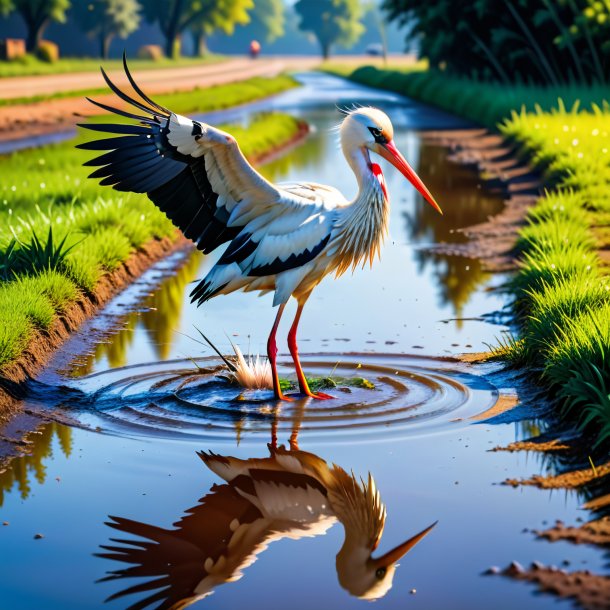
[
  {"x": 291, "y": 494},
  {"x": 282, "y": 238}
]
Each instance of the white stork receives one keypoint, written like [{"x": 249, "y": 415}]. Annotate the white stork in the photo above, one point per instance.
[
  {"x": 283, "y": 238},
  {"x": 291, "y": 494}
]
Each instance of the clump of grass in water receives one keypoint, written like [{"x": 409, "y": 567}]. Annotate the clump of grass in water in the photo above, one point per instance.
[{"x": 254, "y": 373}]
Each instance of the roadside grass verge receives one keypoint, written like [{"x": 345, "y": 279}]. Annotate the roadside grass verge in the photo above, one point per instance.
[
  {"x": 60, "y": 232},
  {"x": 32, "y": 66},
  {"x": 199, "y": 99},
  {"x": 483, "y": 103},
  {"x": 562, "y": 289}
]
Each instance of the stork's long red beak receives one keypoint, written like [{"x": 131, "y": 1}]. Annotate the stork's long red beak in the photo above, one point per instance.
[
  {"x": 402, "y": 549},
  {"x": 389, "y": 152}
]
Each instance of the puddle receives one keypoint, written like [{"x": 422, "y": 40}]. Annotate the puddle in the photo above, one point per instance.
[
  {"x": 142, "y": 475},
  {"x": 174, "y": 399}
]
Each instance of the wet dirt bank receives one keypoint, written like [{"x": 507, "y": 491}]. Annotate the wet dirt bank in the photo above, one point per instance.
[
  {"x": 493, "y": 242},
  {"x": 501, "y": 172},
  {"x": 15, "y": 376}
]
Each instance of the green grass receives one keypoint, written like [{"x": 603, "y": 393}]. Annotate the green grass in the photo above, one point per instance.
[
  {"x": 94, "y": 229},
  {"x": 562, "y": 291},
  {"x": 31, "y": 66},
  {"x": 484, "y": 103}
]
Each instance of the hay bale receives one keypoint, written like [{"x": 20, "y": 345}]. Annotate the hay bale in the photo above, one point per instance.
[
  {"x": 47, "y": 51},
  {"x": 12, "y": 48},
  {"x": 150, "y": 51}
]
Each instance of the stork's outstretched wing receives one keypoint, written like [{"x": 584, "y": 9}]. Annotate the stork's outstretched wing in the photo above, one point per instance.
[{"x": 193, "y": 172}]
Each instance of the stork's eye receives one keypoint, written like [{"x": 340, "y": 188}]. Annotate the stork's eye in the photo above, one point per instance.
[
  {"x": 380, "y": 573},
  {"x": 377, "y": 133}
]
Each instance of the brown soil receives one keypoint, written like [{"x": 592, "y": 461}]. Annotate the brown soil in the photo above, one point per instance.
[
  {"x": 566, "y": 480},
  {"x": 587, "y": 590},
  {"x": 597, "y": 503},
  {"x": 14, "y": 377},
  {"x": 592, "y": 532},
  {"x": 535, "y": 445},
  {"x": 505, "y": 402},
  {"x": 61, "y": 115},
  {"x": 494, "y": 240}
]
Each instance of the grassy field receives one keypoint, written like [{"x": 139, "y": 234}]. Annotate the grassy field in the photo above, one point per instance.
[
  {"x": 31, "y": 66},
  {"x": 60, "y": 232},
  {"x": 484, "y": 103}
]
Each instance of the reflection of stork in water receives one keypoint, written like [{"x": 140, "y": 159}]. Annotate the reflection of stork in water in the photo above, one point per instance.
[
  {"x": 291, "y": 494},
  {"x": 283, "y": 238}
]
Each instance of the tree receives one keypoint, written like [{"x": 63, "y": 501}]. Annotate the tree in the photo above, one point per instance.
[
  {"x": 218, "y": 15},
  {"x": 106, "y": 19},
  {"x": 267, "y": 20},
  {"x": 37, "y": 15},
  {"x": 6, "y": 7},
  {"x": 549, "y": 42},
  {"x": 331, "y": 21},
  {"x": 176, "y": 16}
]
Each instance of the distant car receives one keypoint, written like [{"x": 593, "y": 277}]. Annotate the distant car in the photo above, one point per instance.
[{"x": 375, "y": 49}]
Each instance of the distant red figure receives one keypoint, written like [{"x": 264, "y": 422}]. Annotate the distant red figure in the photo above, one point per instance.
[{"x": 255, "y": 49}]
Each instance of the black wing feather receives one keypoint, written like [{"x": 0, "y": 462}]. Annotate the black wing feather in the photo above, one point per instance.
[
  {"x": 127, "y": 115},
  {"x": 118, "y": 128},
  {"x": 293, "y": 261},
  {"x": 141, "y": 159},
  {"x": 139, "y": 91},
  {"x": 128, "y": 99},
  {"x": 139, "y": 162}
]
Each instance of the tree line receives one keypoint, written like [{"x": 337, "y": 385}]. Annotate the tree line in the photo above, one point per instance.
[
  {"x": 330, "y": 21},
  {"x": 542, "y": 41}
]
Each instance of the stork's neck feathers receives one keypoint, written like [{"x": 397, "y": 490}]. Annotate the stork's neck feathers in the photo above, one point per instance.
[
  {"x": 358, "y": 506},
  {"x": 363, "y": 224}
]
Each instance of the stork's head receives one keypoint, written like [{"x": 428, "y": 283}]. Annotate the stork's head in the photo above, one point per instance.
[
  {"x": 358, "y": 506},
  {"x": 371, "y": 129},
  {"x": 369, "y": 577}
]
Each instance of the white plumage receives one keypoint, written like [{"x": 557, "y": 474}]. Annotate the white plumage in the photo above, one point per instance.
[
  {"x": 291, "y": 494},
  {"x": 283, "y": 238}
]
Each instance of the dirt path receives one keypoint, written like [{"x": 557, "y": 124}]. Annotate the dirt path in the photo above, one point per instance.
[{"x": 51, "y": 116}]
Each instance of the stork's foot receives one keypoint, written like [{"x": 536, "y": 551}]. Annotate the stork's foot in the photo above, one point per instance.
[
  {"x": 316, "y": 395},
  {"x": 281, "y": 396}
]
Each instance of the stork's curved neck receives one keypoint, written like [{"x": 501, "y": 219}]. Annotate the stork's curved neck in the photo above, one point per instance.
[
  {"x": 364, "y": 222},
  {"x": 360, "y": 161}
]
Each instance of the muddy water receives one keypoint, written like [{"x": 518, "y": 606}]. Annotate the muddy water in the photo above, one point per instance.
[{"x": 395, "y": 325}]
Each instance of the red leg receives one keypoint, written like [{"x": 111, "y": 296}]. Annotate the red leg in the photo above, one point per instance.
[
  {"x": 294, "y": 351},
  {"x": 272, "y": 355}
]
